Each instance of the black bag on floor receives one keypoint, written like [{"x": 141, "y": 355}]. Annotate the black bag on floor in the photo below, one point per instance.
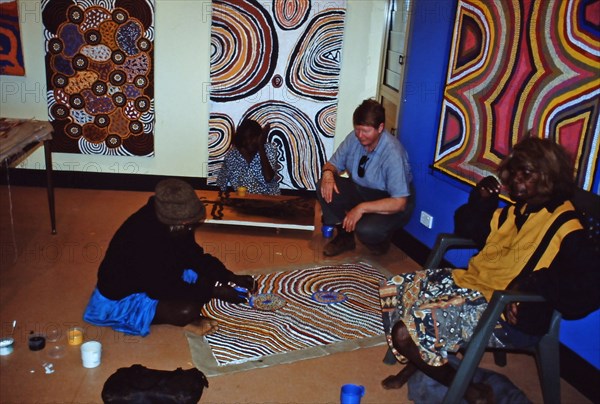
[
  {"x": 140, "y": 385},
  {"x": 424, "y": 390}
]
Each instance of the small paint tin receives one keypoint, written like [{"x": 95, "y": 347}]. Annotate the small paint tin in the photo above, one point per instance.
[
  {"x": 6, "y": 346},
  {"x": 37, "y": 342}
]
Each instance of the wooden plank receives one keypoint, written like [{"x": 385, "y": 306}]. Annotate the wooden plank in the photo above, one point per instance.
[{"x": 281, "y": 211}]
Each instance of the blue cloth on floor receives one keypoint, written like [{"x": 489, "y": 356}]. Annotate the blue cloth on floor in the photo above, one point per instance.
[
  {"x": 131, "y": 315},
  {"x": 424, "y": 390}
]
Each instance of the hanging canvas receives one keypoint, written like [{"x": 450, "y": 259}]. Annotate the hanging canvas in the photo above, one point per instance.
[
  {"x": 516, "y": 68},
  {"x": 99, "y": 68},
  {"x": 11, "y": 47},
  {"x": 277, "y": 63}
]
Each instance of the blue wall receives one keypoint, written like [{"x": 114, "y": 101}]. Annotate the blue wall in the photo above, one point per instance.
[{"x": 438, "y": 194}]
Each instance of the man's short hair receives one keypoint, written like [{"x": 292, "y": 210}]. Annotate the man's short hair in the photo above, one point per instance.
[{"x": 369, "y": 113}]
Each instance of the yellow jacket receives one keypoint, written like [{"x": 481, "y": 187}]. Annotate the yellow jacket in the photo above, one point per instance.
[{"x": 508, "y": 250}]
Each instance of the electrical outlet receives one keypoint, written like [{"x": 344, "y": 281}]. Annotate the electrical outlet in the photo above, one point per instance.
[{"x": 426, "y": 219}]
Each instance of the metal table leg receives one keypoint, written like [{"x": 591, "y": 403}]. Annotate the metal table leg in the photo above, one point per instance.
[{"x": 50, "y": 184}]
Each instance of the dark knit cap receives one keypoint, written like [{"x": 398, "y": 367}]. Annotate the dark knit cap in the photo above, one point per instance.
[{"x": 176, "y": 202}]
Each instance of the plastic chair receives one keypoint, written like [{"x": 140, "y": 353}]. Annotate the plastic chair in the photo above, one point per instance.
[{"x": 547, "y": 349}]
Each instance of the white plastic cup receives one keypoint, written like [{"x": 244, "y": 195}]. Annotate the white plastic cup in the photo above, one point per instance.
[{"x": 91, "y": 354}]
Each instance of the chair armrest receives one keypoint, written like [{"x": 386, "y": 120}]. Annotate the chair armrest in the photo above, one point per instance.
[
  {"x": 443, "y": 243},
  {"x": 508, "y": 296},
  {"x": 481, "y": 335}
]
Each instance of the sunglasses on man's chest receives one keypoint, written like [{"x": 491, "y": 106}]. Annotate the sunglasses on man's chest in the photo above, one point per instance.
[{"x": 361, "y": 166}]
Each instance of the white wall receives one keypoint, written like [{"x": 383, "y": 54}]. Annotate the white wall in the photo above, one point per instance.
[{"x": 181, "y": 78}]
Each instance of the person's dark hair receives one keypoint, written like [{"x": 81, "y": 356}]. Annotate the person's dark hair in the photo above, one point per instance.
[
  {"x": 247, "y": 130},
  {"x": 547, "y": 158},
  {"x": 369, "y": 113}
]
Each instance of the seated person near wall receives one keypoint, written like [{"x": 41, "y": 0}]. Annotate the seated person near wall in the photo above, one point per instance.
[
  {"x": 154, "y": 272},
  {"x": 537, "y": 245},
  {"x": 375, "y": 199},
  {"x": 251, "y": 161}
]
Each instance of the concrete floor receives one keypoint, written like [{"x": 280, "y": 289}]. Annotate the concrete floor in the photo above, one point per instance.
[{"x": 46, "y": 280}]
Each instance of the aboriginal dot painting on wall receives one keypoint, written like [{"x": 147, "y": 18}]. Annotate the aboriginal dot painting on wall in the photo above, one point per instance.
[
  {"x": 11, "y": 47},
  {"x": 99, "y": 70},
  {"x": 516, "y": 68},
  {"x": 277, "y": 62}
]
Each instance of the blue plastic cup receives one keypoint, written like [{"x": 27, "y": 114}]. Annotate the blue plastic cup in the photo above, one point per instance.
[
  {"x": 351, "y": 394},
  {"x": 327, "y": 231}
]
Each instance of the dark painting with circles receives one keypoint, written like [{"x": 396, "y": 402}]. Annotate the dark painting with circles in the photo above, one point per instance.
[
  {"x": 99, "y": 71},
  {"x": 278, "y": 63}
]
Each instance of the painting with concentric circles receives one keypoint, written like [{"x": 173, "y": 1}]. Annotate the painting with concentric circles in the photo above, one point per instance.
[
  {"x": 293, "y": 331},
  {"x": 278, "y": 63},
  {"x": 99, "y": 72}
]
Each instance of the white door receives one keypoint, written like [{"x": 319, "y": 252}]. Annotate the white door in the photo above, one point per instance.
[{"x": 393, "y": 61}]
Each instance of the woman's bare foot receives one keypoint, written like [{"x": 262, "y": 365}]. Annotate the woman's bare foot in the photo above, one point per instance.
[
  {"x": 479, "y": 393},
  {"x": 399, "y": 380},
  {"x": 202, "y": 326}
]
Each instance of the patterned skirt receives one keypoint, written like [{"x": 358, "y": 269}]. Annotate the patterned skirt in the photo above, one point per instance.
[{"x": 439, "y": 315}]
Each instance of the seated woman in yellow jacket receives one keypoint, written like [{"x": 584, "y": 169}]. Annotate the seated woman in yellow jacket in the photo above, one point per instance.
[{"x": 536, "y": 244}]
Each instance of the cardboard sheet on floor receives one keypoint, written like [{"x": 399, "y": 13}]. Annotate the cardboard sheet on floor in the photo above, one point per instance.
[{"x": 303, "y": 328}]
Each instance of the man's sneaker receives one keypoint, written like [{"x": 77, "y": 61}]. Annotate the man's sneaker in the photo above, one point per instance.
[{"x": 343, "y": 242}]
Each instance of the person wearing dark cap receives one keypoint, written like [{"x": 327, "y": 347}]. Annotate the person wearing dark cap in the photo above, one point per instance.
[{"x": 154, "y": 272}]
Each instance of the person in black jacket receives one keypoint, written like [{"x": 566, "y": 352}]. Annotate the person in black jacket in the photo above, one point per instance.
[
  {"x": 535, "y": 245},
  {"x": 154, "y": 272}
]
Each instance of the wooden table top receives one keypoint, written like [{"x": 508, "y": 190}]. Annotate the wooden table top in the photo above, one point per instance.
[{"x": 17, "y": 135}]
